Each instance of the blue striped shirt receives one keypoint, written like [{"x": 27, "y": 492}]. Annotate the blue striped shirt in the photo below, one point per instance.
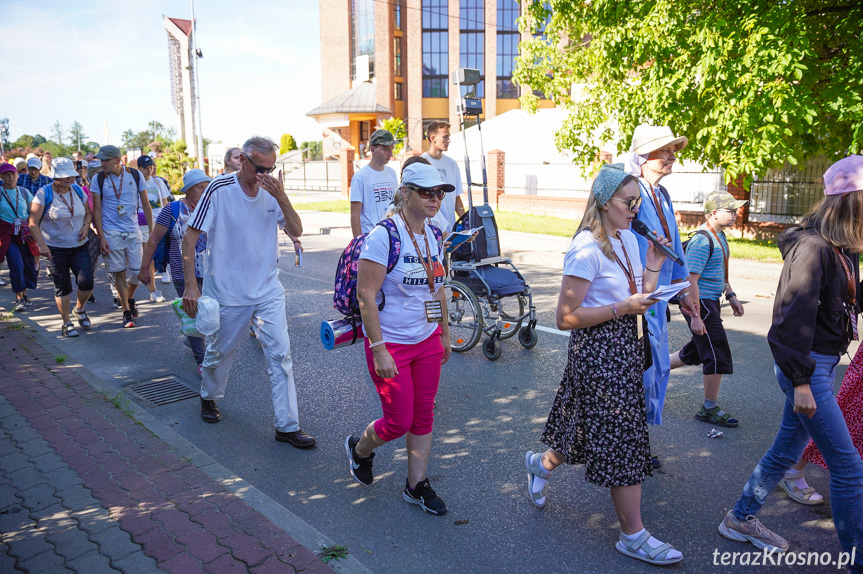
[{"x": 711, "y": 283}]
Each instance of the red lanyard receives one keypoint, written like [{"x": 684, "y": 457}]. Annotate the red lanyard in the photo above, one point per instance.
[
  {"x": 427, "y": 264},
  {"x": 659, "y": 212},
  {"x": 630, "y": 275},
  {"x": 69, "y": 206},
  {"x": 722, "y": 249},
  {"x": 852, "y": 287},
  {"x": 122, "y": 180}
]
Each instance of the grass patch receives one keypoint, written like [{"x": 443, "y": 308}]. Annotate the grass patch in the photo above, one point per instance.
[
  {"x": 755, "y": 249},
  {"x": 16, "y": 326},
  {"x": 60, "y": 359},
  {"x": 539, "y": 224},
  {"x": 335, "y": 206},
  {"x": 334, "y": 552}
]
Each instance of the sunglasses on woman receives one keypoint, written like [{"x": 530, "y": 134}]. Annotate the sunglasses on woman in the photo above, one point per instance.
[
  {"x": 258, "y": 168},
  {"x": 428, "y": 193},
  {"x": 634, "y": 203}
]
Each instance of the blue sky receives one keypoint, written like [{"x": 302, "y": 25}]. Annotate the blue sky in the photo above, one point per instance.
[{"x": 107, "y": 60}]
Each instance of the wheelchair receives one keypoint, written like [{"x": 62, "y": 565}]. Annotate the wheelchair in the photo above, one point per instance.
[{"x": 486, "y": 293}]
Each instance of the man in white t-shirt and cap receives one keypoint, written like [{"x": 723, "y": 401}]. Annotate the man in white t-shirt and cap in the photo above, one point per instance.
[
  {"x": 374, "y": 186},
  {"x": 451, "y": 207},
  {"x": 241, "y": 213},
  {"x": 116, "y": 196}
]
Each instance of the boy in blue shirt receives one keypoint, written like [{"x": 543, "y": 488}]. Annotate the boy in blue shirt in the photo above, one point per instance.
[{"x": 707, "y": 255}]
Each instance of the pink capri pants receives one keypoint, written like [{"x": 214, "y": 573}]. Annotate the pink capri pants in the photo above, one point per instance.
[{"x": 408, "y": 398}]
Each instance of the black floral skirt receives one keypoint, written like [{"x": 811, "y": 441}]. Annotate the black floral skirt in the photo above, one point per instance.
[{"x": 598, "y": 417}]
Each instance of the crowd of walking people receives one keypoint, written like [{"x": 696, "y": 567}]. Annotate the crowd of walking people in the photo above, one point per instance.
[{"x": 222, "y": 243}]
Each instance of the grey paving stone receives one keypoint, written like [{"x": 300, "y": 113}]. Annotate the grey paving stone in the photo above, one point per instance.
[
  {"x": 15, "y": 461},
  {"x": 91, "y": 563},
  {"x": 53, "y": 518},
  {"x": 45, "y": 562},
  {"x": 63, "y": 477},
  {"x": 94, "y": 519},
  {"x": 38, "y": 497},
  {"x": 27, "y": 543},
  {"x": 35, "y": 447},
  {"x": 6, "y": 444},
  {"x": 115, "y": 543},
  {"x": 26, "y": 477},
  {"x": 7, "y": 496},
  {"x": 12, "y": 421},
  {"x": 24, "y": 433},
  {"x": 7, "y": 561},
  {"x": 76, "y": 496},
  {"x": 71, "y": 543},
  {"x": 48, "y": 461},
  {"x": 138, "y": 563},
  {"x": 14, "y": 519},
  {"x": 7, "y": 409}
]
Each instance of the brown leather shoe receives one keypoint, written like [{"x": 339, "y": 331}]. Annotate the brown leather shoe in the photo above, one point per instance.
[
  {"x": 209, "y": 411},
  {"x": 297, "y": 439}
]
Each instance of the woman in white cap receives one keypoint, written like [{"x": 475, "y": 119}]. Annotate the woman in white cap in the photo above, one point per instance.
[
  {"x": 652, "y": 155},
  {"x": 814, "y": 321},
  {"x": 60, "y": 222},
  {"x": 14, "y": 236},
  {"x": 407, "y": 338},
  {"x": 173, "y": 220},
  {"x": 598, "y": 417}
]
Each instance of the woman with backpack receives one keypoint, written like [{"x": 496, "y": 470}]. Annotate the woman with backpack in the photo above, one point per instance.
[
  {"x": 402, "y": 302},
  {"x": 60, "y": 222},
  {"x": 15, "y": 238},
  {"x": 814, "y": 320}
]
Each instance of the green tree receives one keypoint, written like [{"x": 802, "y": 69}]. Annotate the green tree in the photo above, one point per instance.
[
  {"x": 753, "y": 85},
  {"x": 57, "y": 132},
  {"x": 172, "y": 163},
  {"x": 312, "y": 151},
  {"x": 37, "y": 140},
  {"x": 76, "y": 134},
  {"x": 24, "y": 141},
  {"x": 396, "y": 126},
  {"x": 287, "y": 144},
  {"x": 4, "y": 132},
  {"x": 132, "y": 139}
]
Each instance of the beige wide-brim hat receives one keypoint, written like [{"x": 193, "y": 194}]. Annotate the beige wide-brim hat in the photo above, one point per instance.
[{"x": 646, "y": 139}]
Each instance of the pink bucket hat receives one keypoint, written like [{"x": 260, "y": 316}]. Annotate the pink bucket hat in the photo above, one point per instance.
[{"x": 844, "y": 176}]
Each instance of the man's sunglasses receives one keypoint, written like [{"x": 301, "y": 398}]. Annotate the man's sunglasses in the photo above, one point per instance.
[
  {"x": 427, "y": 193},
  {"x": 634, "y": 203},
  {"x": 258, "y": 168}
]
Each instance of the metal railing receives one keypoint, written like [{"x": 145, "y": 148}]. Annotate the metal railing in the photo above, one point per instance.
[
  {"x": 312, "y": 175},
  {"x": 785, "y": 195}
]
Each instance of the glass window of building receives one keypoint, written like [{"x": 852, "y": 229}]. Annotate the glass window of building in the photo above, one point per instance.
[
  {"x": 397, "y": 56},
  {"x": 435, "y": 48},
  {"x": 507, "y": 47},
  {"x": 397, "y": 91},
  {"x": 397, "y": 15},
  {"x": 472, "y": 41},
  {"x": 362, "y": 34}
]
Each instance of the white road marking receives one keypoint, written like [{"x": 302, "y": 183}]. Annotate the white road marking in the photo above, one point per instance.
[{"x": 552, "y": 331}]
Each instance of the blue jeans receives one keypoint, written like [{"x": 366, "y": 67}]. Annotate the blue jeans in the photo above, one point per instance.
[
  {"x": 197, "y": 344},
  {"x": 830, "y": 433},
  {"x": 22, "y": 267}
]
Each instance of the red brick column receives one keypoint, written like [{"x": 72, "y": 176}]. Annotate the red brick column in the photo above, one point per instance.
[
  {"x": 735, "y": 188},
  {"x": 347, "y": 160},
  {"x": 496, "y": 175}
]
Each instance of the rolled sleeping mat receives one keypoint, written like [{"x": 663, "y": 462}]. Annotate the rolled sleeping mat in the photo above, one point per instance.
[{"x": 341, "y": 333}]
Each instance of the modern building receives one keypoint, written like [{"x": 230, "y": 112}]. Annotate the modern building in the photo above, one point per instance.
[
  {"x": 394, "y": 58},
  {"x": 182, "y": 79}
]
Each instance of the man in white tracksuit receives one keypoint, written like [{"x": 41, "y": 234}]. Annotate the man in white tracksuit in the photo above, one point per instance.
[{"x": 241, "y": 214}]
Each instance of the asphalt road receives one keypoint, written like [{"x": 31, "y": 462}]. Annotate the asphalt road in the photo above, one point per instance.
[{"x": 487, "y": 415}]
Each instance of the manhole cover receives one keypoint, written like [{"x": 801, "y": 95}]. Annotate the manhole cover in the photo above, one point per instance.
[{"x": 162, "y": 391}]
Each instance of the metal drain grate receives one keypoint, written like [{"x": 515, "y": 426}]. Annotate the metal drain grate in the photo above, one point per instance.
[{"x": 162, "y": 391}]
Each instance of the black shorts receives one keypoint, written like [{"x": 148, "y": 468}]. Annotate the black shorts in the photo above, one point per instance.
[{"x": 711, "y": 349}]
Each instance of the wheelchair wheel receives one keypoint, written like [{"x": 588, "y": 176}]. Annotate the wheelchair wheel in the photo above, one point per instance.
[
  {"x": 492, "y": 349},
  {"x": 528, "y": 337},
  {"x": 509, "y": 327},
  {"x": 465, "y": 319}
]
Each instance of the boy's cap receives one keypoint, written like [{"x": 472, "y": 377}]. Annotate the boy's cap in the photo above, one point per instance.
[
  {"x": 382, "y": 137},
  {"x": 722, "y": 200}
]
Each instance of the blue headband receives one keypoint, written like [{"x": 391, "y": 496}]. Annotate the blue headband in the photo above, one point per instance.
[{"x": 608, "y": 180}]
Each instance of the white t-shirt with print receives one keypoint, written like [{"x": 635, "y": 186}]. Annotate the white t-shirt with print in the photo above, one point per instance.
[
  {"x": 375, "y": 190},
  {"x": 242, "y": 243},
  {"x": 156, "y": 191},
  {"x": 129, "y": 196},
  {"x": 403, "y": 318},
  {"x": 449, "y": 172},
  {"x": 59, "y": 227},
  {"x": 608, "y": 284}
]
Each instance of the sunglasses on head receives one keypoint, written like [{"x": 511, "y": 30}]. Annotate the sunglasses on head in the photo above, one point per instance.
[
  {"x": 634, "y": 203},
  {"x": 427, "y": 193},
  {"x": 258, "y": 168}
]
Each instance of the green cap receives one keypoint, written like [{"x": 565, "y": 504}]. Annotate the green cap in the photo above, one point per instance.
[
  {"x": 722, "y": 200},
  {"x": 382, "y": 137}
]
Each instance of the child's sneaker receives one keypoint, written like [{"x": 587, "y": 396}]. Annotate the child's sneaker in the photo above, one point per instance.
[{"x": 425, "y": 497}]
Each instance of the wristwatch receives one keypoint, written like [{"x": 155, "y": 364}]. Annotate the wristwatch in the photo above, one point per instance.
[{"x": 728, "y": 296}]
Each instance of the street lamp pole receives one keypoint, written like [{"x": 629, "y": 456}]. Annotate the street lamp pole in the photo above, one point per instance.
[{"x": 195, "y": 56}]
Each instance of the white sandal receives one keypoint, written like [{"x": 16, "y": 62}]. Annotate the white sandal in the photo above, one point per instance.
[
  {"x": 657, "y": 556},
  {"x": 801, "y": 495},
  {"x": 534, "y": 470}
]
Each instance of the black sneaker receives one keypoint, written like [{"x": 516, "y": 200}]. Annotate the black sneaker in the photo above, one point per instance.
[
  {"x": 361, "y": 468},
  {"x": 117, "y": 303},
  {"x": 424, "y": 496},
  {"x": 128, "y": 321},
  {"x": 133, "y": 308}
]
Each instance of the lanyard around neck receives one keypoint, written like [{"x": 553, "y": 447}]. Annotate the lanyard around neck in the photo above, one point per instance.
[
  {"x": 426, "y": 263},
  {"x": 9, "y": 201},
  {"x": 659, "y": 211},
  {"x": 122, "y": 181},
  {"x": 722, "y": 249},
  {"x": 630, "y": 274}
]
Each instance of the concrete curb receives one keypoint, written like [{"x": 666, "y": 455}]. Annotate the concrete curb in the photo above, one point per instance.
[{"x": 294, "y": 526}]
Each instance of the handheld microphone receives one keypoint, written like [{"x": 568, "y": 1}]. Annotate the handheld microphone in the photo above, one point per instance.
[{"x": 640, "y": 228}]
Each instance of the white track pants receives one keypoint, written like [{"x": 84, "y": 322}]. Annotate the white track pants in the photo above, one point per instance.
[{"x": 272, "y": 330}]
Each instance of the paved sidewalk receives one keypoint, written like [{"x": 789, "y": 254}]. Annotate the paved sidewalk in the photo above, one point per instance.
[{"x": 84, "y": 487}]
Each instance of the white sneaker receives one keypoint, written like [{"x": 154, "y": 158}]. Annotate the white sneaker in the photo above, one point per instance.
[
  {"x": 157, "y": 297},
  {"x": 166, "y": 279}
]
